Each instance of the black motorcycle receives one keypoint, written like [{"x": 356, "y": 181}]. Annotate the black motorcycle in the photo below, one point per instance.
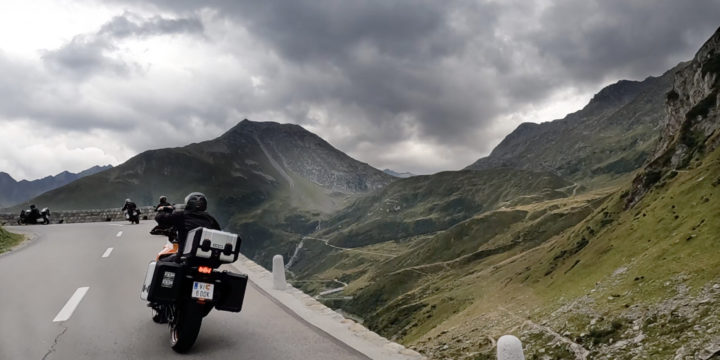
[
  {"x": 185, "y": 289},
  {"x": 27, "y": 217},
  {"x": 133, "y": 215}
]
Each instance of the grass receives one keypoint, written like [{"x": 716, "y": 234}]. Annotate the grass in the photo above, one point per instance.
[{"x": 8, "y": 240}]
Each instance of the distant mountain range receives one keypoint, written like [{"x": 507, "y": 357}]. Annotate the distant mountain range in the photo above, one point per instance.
[
  {"x": 271, "y": 182},
  {"x": 13, "y": 192}
]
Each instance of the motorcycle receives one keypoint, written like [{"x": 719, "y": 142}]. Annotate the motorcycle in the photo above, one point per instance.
[
  {"x": 182, "y": 289},
  {"x": 27, "y": 219},
  {"x": 133, "y": 215}
]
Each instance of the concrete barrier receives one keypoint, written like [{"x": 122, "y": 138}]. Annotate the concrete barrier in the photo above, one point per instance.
[
  {"x": 509, "y": 348},
  {"x": 323, "y": 318},
  {"x": 279, "y": 282},
  {"x": 83, "y": 216}
]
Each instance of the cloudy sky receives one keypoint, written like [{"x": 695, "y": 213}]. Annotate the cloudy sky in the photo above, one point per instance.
[{"x": 415, "y": 85}]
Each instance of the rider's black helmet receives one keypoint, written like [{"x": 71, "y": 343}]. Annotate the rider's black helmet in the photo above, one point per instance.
[
  {"x": 32, "y": 206},
  {"x": 196, "y": 201}
]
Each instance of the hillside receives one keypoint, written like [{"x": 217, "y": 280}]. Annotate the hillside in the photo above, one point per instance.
[
  {"x": 611, "y": 136},
  {"x": 425, "y": 204},
  {"x": 626, "y": 271},
  {"x": 261, "y": 178},
  {"x": 13, "y": 192}
]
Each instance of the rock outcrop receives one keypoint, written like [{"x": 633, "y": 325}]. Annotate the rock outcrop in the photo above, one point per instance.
[{"x": 692, "y": 119}]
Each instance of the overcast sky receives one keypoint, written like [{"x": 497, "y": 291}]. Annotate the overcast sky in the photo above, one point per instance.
[{"x": 415, "y": 85}]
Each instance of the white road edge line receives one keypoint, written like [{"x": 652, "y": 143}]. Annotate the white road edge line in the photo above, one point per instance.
[
  {"x": 71, "y": 304},
  {"x": 119, "y": 234},
  {"x": 107, "y": 252}
]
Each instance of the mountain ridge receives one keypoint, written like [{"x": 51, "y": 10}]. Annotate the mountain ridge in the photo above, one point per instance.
[
  {"x": 610, "y": 137},
  {"x": 12, "y": 191}
]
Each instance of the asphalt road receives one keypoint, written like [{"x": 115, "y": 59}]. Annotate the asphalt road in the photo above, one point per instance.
[{"x": 110, "y": 321}]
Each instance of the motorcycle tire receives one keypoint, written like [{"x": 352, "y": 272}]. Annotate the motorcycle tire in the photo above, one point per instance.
[{"x": 186, "y": 328}]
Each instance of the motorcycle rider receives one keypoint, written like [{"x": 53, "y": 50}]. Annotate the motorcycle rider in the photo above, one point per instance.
[
  {"x": 163, "y": 203},
  {"x": 164, "y": 206},
  {"x": 182, "y": 221},
  {"x": 129, "y": 206},
  {"x": 34, "y": 214},
  {"x": 193, "y": 216}
]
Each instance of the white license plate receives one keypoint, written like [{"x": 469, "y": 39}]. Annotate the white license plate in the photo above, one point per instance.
[{"x": 202, "y": 290}]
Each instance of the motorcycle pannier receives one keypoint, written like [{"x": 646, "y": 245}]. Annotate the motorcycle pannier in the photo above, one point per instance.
[
  {"x": 220, "y": 246},
  {"x": 232, "y": 292},
  {"x": 166, "y": 280}
]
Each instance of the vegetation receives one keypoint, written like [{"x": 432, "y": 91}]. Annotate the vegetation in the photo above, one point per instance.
[{"x": 8, "y": 240}]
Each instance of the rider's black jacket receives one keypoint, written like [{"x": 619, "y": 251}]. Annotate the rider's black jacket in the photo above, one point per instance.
[
  {"x": 162, "y": 204},
  {"x": 34, "y": 214},
  {"x": 184, "y": 221},
  {"x": 129, "y": 206}
]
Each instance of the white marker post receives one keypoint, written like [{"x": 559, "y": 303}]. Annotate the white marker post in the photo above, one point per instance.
[
  {"x": 509, "y": 348},
  {"x": 279, "y": 273}
]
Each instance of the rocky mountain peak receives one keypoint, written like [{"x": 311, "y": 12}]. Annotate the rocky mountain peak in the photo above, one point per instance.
[
  {"x": 692, "y": 121},
  {"x": 620, "y": 92},
  {"x": 292, "y": 149}
]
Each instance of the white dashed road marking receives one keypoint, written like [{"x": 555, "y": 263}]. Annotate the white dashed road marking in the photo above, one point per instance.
[
  {"x": 119, "y": 234},
  {"x": 71, "y": 304},
  {"x": 107, "y": 252}
]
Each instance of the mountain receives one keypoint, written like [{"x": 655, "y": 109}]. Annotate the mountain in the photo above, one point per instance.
[
  {"x": 398, "y": 174},
  {"x": 270, "y": 182},
  {"x": 626, "y": 269},
  {"x": 13, "y": 192},
  {"x": 611, "y": 136}
]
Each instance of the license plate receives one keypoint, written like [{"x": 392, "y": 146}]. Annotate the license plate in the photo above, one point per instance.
[{"x": 202, "y": 290}]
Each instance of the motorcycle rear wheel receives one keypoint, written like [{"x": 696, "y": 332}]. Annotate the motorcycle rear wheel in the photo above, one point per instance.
[{"x": 185, "y": 329}]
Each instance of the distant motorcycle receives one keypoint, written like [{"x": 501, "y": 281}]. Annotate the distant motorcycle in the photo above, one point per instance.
[
  {"x": 183, "y": 291},
  {"x": 26, "y": 218},
  {"x": 133, "y": 215}
]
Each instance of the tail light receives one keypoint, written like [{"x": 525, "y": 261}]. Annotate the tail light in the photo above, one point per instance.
[{"x": 204, "y": 269}]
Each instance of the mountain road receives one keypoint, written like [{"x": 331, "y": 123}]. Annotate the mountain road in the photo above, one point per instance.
[{"x": 72, "y": 291}]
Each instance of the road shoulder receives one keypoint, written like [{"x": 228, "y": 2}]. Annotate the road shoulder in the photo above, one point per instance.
[{"x": 323, "y": 318}]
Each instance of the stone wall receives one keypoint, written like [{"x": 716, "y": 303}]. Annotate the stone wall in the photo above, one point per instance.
[{"x": 83, "y": 216}]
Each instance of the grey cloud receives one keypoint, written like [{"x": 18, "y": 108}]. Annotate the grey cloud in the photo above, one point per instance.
[
  {"x": 84, "y": 56},
  {"x": 88, "y": 54},
  {"x": 437, "y": 72},
  {"x": 596, "y": 40},
  {"x": 128, "y": 25}
]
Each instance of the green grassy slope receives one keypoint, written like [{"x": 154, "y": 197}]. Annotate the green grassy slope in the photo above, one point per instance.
[
  {"x": 8, "y": 240},
  {"x": 426, "y": 204}
]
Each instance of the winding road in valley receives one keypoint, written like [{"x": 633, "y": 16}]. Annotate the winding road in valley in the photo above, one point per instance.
[{"x": 72, "y": 292}]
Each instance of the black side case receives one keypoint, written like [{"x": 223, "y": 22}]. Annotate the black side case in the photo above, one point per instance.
[
  {"x": 165, "y": 285},
  {"x": 232, "y": 291}
]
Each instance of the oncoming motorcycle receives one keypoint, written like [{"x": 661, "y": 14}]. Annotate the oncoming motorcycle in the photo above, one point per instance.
[
  {"x": 184, "y": 290},
  {"x": 26, "y": 218}
]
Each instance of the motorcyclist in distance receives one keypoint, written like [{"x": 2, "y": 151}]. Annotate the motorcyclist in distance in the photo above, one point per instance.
[
  {"x": 34, "y": 213},
  {"x": 163, "y": 203},
  {"x": 193, "y": 216},
  {"x": 129, "y": 206}
]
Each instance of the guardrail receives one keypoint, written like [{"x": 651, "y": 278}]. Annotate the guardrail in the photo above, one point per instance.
[{"x": 83, "y": 216}]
